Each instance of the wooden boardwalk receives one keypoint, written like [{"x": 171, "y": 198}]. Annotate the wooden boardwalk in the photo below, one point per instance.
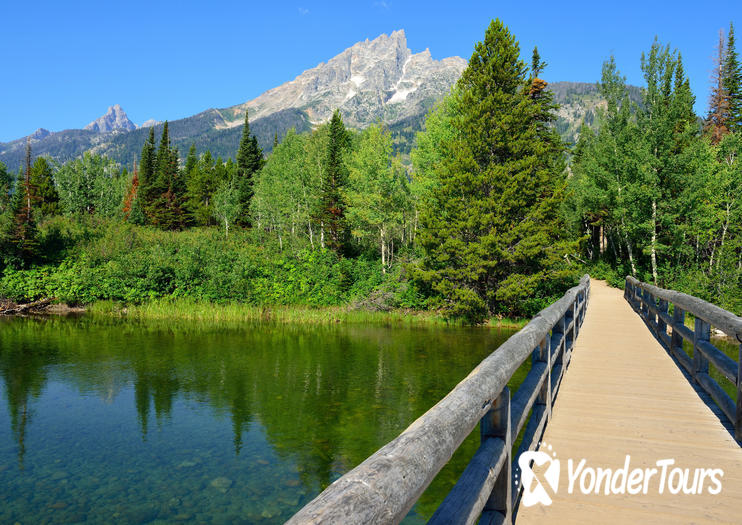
[{"x": 624, "y": 395}]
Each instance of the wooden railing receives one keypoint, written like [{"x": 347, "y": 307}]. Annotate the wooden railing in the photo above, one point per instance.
[
  {"x": 386, "y": 485},
  {"x": 653, "y": 305}
]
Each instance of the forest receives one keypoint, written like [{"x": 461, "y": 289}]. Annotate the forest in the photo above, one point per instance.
[{"x": 492, "y": 215}]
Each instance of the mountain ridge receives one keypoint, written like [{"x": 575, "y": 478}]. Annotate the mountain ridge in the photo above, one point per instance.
[{"x": 379, "y": 80}]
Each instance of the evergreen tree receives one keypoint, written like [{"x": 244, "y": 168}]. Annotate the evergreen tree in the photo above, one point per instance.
[
  {"x": 203, "y": 181},
  {"x": 732, "y": 80},
  {"x": 717, "y": 121},
  {"x": 21, "y": 236},
  {"x": 6, "y": 184},
  {"x": 45, "y": 192},
  {"x": 249, "y": 161},
  {"x": 335, "y": 178},
  {"x": 164, "y": 202},
  {"x": 275, "y": 140},
  {"x": 147, "y": 168},
  {"x": 191, "y": 160},
  {"x": 490, "y": 230}
]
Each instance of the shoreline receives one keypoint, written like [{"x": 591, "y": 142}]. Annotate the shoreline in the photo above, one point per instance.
[{"x": 203, "y": 311}]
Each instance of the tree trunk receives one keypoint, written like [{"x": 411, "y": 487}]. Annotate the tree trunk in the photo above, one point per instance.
[
  {"x": 654, "y": 241},
  {"x": 723, "y": 235},
  {"x": 383, "y": 250}
]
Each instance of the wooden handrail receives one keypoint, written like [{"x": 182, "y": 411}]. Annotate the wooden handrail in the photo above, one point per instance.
[
  {"x": 652, "y": 304},
  {"x": 386, "y": 485}
]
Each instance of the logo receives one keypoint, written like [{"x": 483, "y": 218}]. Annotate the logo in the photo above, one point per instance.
[
  {"x": 539, "y": 487},
  {"x": 534, "y": 491}
]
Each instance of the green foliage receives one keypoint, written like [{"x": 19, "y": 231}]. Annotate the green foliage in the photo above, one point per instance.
[
  {"x": 45, "y": 193},
  {"x": 19, "y": 238},
  {"x": 249, "y": 162},
  {"x": 130, "y": 264},
  {"x": 651, "y": 196},
  {"x": 91, "y": 184},
  {"x": 379, "y": 205},
  {"x": 490, "y": 228},
  {"x": 334, "y": 180},
  {"x": 732, "y": 81},
  {"x": 227, "y": 206},
  {"x": 6, "y": 184},
  {"x": 204, "y": 177},
  {"x": 287, "y": 188}
]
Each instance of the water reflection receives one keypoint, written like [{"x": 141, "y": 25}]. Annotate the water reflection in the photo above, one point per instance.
[{"x": 206, "y": 422}]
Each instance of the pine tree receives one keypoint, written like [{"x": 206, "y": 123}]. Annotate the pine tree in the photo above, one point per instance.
[
  {"x": 147, "y": 170},
  {"x": 6, "y": 184},
  {"x": 191, "y": 160},
  {"x": 21, "y": 239},
  {"x": 45, "y": 193},
  {"x": 732, "y": 80},
  {"x": 332, "y": 203},
  {"x": 491, "y": 232},
  {"x": 275, "y": 140},
  {"x": 165, "y": 196},
  {"x": 249, "y": 161},
  {"x": 717, "y": 121}
]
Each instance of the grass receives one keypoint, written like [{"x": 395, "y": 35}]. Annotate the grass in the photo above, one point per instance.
[{"x": 193, "y": 310}]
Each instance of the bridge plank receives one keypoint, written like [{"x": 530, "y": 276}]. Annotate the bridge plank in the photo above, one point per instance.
[{"x": 624, "y": 395}]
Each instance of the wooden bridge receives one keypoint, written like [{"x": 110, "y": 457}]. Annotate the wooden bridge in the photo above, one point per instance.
[{"x": 633, "y": 397}]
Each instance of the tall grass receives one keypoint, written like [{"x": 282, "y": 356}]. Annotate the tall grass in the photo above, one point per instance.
[{"x": 194, "y": 310}]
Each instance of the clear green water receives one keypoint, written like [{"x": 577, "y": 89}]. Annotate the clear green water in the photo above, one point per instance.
[{"x": 121, "y": 422}]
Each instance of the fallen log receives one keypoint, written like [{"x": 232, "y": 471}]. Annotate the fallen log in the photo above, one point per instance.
[{"x": 28, "y": 307}]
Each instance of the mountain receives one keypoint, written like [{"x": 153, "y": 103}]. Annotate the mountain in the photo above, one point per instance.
[
  {"x": 374, "y": 80},
  {"x": 114, "y": 119},
  {"x": 580, "y": 102},
  {"x": 371, "y": 81},
  {"x": 149, "y": 123}
]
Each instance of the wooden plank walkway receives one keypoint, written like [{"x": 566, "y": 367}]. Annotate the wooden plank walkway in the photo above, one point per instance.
[{"x": 624, "y": 395}]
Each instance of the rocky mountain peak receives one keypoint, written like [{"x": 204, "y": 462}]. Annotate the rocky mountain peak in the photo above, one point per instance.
[
  {"x": 40, "y": 134},
  {"x": 379, "y": 78},
  {"x": 115, "y": 118}
]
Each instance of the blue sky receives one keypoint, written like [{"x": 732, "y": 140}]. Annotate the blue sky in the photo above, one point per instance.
[{"x": 64, "y": 63}]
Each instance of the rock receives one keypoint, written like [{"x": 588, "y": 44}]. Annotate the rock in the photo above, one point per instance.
[
  {"x": 376, "y": 79},
  {"x": 115, "y": 118},
  {"x": 143, "y": 514},
  {"x": 222, "y": 484}
]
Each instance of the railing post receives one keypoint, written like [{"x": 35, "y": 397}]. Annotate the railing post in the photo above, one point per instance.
[
  {"x": 544, "y": 395},
  {"x": 678, "y": 319},
  {"x": 701, "y": 332},
  {"x": 558, "y": 328},
  {"x": 738, "y": 423},
  {"x": 496, "y": 424},
  {"x": 661, "y": 324}
]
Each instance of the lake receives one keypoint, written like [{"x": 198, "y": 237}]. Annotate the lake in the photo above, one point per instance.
[{"x": 106, "y": 420}]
